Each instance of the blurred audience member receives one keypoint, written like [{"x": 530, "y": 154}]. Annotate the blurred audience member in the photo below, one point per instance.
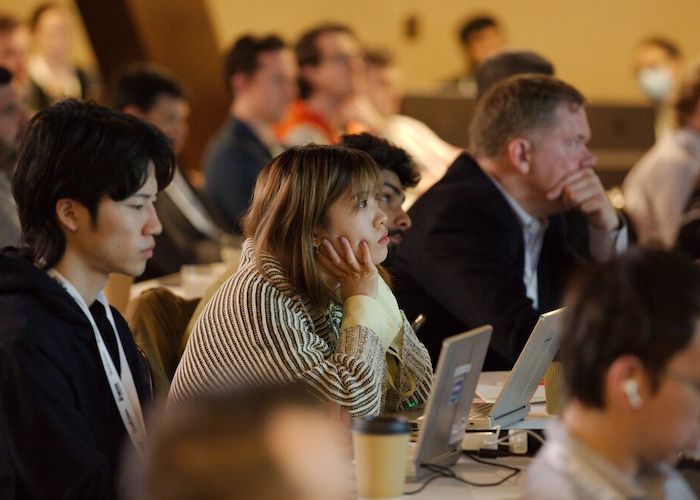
[
  {"x": 53, "y": 74},
  {"x": 72, "y": 384},
  {"x": 12, "y": 121},
  {"x": 658, "y": 66},
  {"x": 659, "y": 186},
  {"x": 190, "y": 235},
  {"x": 399, "y": 173},
  {"x": 14, "y": 52},
  {"x": 260, "y": 75},
  {"x": 480, "y": 37},
  {"x": 330, "y": 65},
  {"x": 266, "y": 443},
  {"x": 383, "y": 90},
  {"x": 508, "y": 63},
  {"x": 495, "y": 239},
  {"x": 296, "y": 309},
  {"x": 631, "y": 357}
]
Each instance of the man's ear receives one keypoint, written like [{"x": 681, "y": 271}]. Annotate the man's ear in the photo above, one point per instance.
[
  {"x": 519, "y": 153},
  {"x": 239, "y": 82},
  {"x": 626, "y": 384},
  {"x": 67, "y": 214}
]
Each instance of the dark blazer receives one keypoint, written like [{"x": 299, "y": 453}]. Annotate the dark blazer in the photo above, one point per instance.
[
  {"x": 232, "y": 162},
  {"x": 180, "y": 242},
  {"x": 461, "y": 264}
]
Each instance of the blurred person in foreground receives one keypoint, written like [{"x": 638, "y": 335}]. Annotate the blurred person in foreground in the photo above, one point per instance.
[
  {"x": 266, "y": 443},
  {"x": 631, "y": 358}
]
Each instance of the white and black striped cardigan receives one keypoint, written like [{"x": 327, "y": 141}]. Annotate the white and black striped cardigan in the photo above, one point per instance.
[{"x": 256, "y": 329}]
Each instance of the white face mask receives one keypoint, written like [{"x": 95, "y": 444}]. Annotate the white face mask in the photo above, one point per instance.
[{"x": 656, "y": 82}]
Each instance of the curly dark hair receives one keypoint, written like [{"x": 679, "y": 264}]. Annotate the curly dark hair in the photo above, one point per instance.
[{"x": 386, "y": 155}]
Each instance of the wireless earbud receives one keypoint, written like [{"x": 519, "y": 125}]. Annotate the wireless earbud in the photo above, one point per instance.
[{"x": 631, "y": 390}]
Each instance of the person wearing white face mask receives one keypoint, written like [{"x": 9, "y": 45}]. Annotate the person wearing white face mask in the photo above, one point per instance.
[
  {"x": 658, "y": 66},
  {"x": 659, "y": 186}
]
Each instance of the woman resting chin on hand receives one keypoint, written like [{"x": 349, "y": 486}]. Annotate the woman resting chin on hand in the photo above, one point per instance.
[{"x": 308, "y": 301}]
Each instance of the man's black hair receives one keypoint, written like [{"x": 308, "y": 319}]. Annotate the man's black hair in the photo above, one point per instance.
[
  {"x": 386, "y": 155},
  {"x": 84, "y": 152},
  {"x": 475, "y": 24},
  {"x": 141, "y": 85},
  {"x": 243, "y": 56},
  {"x": 644, "y": 303}
]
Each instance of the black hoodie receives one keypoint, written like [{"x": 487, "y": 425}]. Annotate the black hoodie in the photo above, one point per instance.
[{"x": 61, "y": 435}]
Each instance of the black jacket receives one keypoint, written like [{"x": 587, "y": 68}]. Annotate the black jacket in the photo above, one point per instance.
[
  {"x": 61, "y": 435},
  {"x": 461, "y": 264}
]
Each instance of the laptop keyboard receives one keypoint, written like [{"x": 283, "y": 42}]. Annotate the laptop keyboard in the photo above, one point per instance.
[{"x": 480, "y": 411}]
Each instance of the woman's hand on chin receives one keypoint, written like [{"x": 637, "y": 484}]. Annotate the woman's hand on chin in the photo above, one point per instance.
[{"x": 356, "y": 274}]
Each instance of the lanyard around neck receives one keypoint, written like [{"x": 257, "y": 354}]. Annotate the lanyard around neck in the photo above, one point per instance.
[{"x": 122, "y": 387}]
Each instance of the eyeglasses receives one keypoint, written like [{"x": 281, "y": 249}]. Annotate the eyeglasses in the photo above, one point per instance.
[
  {"x": 684, "y": 379},
  {"x": 342, "y": 59}
]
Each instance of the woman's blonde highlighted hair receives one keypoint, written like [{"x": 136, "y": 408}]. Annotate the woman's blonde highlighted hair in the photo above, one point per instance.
[{"x": 292, "y": 197}]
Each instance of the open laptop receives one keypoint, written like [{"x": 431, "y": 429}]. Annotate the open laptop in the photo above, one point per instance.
[
  {"x": 513, "y": 403},
  {"x": 445, "y": 418}
]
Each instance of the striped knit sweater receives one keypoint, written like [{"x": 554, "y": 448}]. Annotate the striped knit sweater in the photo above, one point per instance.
[{"x": 257, "y": 330}]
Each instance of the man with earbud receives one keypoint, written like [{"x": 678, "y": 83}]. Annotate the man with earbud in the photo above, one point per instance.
[{"x": 631, "y": 356}]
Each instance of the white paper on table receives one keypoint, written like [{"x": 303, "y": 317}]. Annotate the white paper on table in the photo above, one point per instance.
[{"x": 491, "y": 383}]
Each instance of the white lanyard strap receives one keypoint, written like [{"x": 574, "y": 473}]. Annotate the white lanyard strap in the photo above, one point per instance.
[{"x": 123, "y": 388}]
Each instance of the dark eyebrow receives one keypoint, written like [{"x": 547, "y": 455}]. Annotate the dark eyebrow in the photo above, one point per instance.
[
  {"x": 146, "y": 196},
  {"x": 393, "y": 188}
]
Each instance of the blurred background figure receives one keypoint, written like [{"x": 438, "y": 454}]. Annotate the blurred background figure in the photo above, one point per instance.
[
  {"x": 268, "y": 443},
  {"x": 381, "y": 115},
  {"x": 12, "y": 121},
  {"x": 190, "y": 234},
  {"x": 658, "y": 66},
  {"x": 260, "y": 74},
  {"x": 14, "y": 52},
  {"x": 660, "y": 185},
  {"x": 479, "y": 37},
  {"x": 330, "y": 72},
  {"x": 508, "y": 63},
  {"x": 53, "y": 74}
]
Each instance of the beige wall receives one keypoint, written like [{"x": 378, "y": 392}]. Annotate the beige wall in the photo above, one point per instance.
[{"x": 590, "y": 43}]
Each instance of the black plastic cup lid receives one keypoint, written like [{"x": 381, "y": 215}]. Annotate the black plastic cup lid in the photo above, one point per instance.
[{"x": 381, "y": 425}]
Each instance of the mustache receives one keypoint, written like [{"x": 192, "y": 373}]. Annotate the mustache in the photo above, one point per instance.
[{"x": 396, "y": 232}]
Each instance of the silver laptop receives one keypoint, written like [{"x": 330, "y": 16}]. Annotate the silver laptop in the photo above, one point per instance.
[
  {"x": 513, "y": 403},
  {"x": 445, "y": 418}
]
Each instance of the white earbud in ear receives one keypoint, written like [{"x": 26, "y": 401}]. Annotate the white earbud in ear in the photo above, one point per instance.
[{"x": 631, "y": 390}]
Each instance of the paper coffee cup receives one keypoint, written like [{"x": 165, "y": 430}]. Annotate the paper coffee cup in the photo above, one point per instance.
[
  {"x": 554, "y": 388},
  {"x": 381, "y": 450}
]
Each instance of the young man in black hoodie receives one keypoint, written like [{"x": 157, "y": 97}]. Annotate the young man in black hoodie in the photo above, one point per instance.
[{"x": 71, "y": 386}]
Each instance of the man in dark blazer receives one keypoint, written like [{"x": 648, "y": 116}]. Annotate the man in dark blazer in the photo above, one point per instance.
[
  {"x": 191, "y": 231},
  {"x": 494, "y": 241}
]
